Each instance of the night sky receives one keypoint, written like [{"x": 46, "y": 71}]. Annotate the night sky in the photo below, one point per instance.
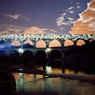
[{"x": 41, "y": 16}]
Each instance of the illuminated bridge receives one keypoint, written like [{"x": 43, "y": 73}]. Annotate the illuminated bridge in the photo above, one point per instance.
[
  {"x": 37, "y": 37},
  {"x": 42, "y": 45},
  {"x": 43, "y": 41},
  {"x": 46, "y": 37}
]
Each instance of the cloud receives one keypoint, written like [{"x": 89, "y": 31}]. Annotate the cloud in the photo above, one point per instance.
[
  {"x": 70, "y": 18},
  {"x": 33, "y": 30},
  {"x": 64, "y": 14},
  {"x": 78, "y": 3},
  {"x": 47, "y": 30},
  {"x": 37, "y": 30},
  {"x": 11, "y": 29},
  {"x": 70, "y": 8},
  {"x": 16, "y": 16},
  {"x": 92, "y": 25},
  {"x": 8, "y": 29},
  {"x": 64, "y": 20},
  {"x": 78, "y": 6},
  {"x": 61, "y": 28},
  {"x": 86, "y": 23},
  {"x": 25, "y": 18},
  {"x": 71, "y": 12},
  {"x": 60, "y": 21}
]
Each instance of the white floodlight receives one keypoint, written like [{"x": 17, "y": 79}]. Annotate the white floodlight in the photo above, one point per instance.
[
  {"x": 20, "y": 50},
  {"x": 48, "y": 50}
]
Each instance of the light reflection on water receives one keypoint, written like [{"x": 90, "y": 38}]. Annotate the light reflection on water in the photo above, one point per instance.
[{"x": 27, "y": 85}]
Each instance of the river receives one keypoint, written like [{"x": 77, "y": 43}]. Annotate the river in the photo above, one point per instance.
[{"x": 28, "y": 84}]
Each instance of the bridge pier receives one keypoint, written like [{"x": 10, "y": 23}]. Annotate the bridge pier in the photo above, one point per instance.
[
  {"x": 35, "y": 76},
  {"x": 63, "y": 65}
]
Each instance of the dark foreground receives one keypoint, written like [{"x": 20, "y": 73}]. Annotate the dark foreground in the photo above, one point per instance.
[{"x": 54, "y": 86}]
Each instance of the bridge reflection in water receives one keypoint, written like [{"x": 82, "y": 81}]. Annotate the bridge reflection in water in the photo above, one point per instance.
[{"x": 27, "y": 85}]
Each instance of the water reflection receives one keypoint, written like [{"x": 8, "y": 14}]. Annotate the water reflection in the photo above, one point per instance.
[
  {"x": 20, "y": 82},
  {"x": 26, "y": 85}
]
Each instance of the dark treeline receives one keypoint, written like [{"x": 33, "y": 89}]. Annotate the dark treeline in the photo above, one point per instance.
[
  {"x": 81, "y": 58},
  {"x": 78, "y": 58},
  {"x": 28, "y": 62}
]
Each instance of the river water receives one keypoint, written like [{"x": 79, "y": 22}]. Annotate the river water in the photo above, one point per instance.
[{"x": 28, "y": 84}]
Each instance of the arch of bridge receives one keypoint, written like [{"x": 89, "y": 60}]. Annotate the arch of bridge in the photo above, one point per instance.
[
  {"x": 28, "y": 42},
  {"x": 40, "y": 44},
  {"x": 47, "y": 38},
  {"x": 68, "y": 42},
  {"x": 80, "y": 42},
  {"x": 55, "y": 43}
]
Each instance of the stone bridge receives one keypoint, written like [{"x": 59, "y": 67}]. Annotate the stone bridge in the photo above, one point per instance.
[
  {"x": 44, "y": 41},
  {"x": 43, "y": 44},
  {"x": 46, "y": 38}
]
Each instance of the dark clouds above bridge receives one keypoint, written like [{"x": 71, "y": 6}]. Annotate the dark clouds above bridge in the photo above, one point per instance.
[{"x": 46, "y": 16}]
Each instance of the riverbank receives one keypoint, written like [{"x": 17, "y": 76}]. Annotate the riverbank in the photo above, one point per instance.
[{"x": 81, "y": 77}]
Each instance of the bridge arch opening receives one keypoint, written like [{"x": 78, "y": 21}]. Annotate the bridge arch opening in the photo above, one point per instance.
[
  {"x": 55, "y": 54},
  {"x": 27, "y": 53},
  {"x": 15, "y": 43},
  {"x": 55, "y": 59},
  {"x": 40, "y": 44},
  {"x": 80, "y": 43},
  {"x": 40, "y": 53},
  {"x": 40, "y": 57},
  {"x": 55, "y": 43},
  {"x": 68, "y": 43},
  {"x": 28, "y": 44},
  {"x": 14, "y": 53}
]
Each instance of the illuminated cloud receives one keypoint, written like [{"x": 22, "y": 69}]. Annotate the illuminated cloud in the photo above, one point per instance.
[
  {"x": 16, "y": 16},
  {"x": 64, "y": 20},
  {"x": 8, "y": 29},
  {"x": 37, "y": 30},
  {"x": 33, "y": 30},
  {"x": 70, "y": 18},
  {"x": 92, "y": 4},
  {"x": 52, "y": 30},
  {"x": 92, "y": 25},
  {"x": 4, "y": 32},
  {"x": 60, "y": 21},
  {"x": 70, "y": 10},
  {"x": 86, "y": 23}
]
